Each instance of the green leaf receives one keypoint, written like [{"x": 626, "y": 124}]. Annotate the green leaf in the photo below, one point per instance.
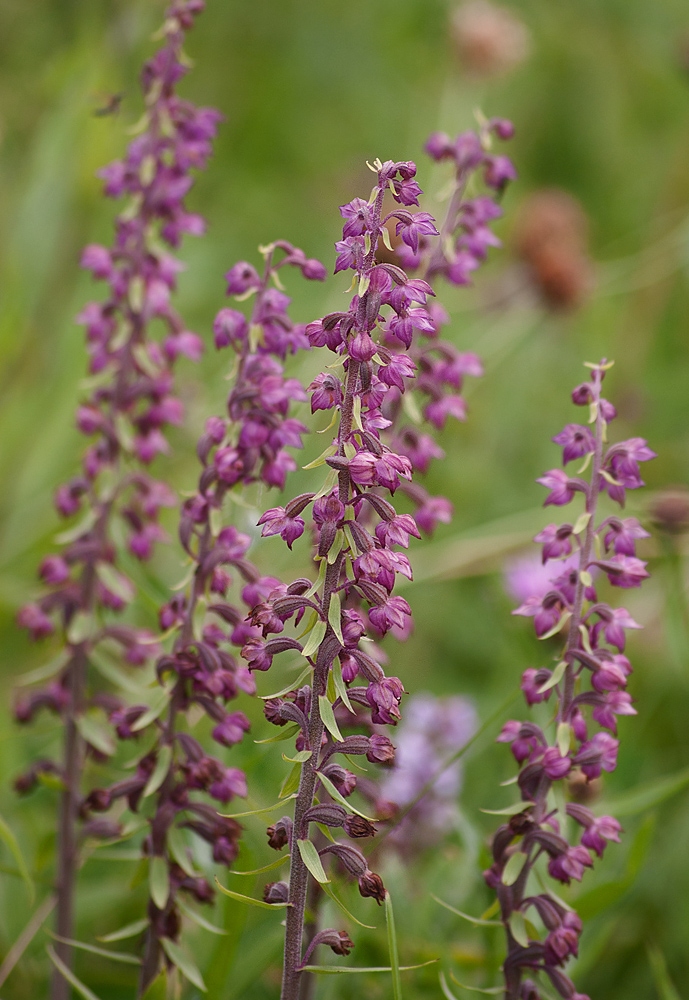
[
  {"x": 160, "y": 771},
  {"x": 315, "y": 639},
  {"x": 96, "y": 732},
  {"x": 285, "y": 734},
  {"x": 290, "y": 687},
  {"x": 110, "y": 670},
  {"x": 115, "y": 581},
  {"x": 158, "y": 705},
  {"x": 327, "y": 889},
  {"x": 336, "y": 548},
  {"x": 198, "y": 919},
  {"x": 291, "y": 782},
  {"x": 130, "y": 930},
  {"x": 300, "y": 757},
  {"x": 509, "y": 810},
  {"x": 158, "y": 881},
  {"x": 332, "y": 791},
  {"x": 10, "y": 841},
  {"x": 340, "y": 686},
  {"x": 328, "y": 717},
  {"x": 310, "y": 857},
  {"x": 266, "y": 868},
  {"x": 334, "y": 616},
  {"x": 646, "y": 796},
  {"x": 513, "y": 868},
  {"x": 249, "y": 900},
  {"x": 184, "y": 963},
  {"x": 518, "y": 927},
  {"x": 257, "y": 812},
  {"x": 116, "y": 956},
  {"x": 178, "y": 847},
  {"x": 492, "y": 991},
  {"x": 564, "y": 618},
  {"x": 44, "y": 672},
  {"x": 554, "y": 678},
  {"x": 79, "y": 529},
  {"x": 67, "y": 974},
  {"x": 81, "y": 627},
  {"x": 392, "y": 948},
  {"x": 336, "y": 970},
  {"x": 330, "y": 450},
  {"x": 665, "y": 986},
  {"x": 564, "y": 737},
  {"x": 479, "y": 921}
]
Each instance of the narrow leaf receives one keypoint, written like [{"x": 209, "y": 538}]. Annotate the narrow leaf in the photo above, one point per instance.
[
  {"x": 97, "y": 733},
  {"x": 392, "y": 948},
  {"x": 285, "y": 734},
  {"x": 158, "y": 705},
  {"x": 160, "y": 771},
  {"x": 492, "y": 991},
  {"x": 479, "y": 921},
  {"x": 179, "y": 850},
  {"x": 330, "y": 788},
  {"x": 309, "y": 855},
  {"x": 289, "y": 687},
  {"x": 299, "y": 758},
  {"x": 249, "y": 900},
  {"x": 130, "y": 930},
  {"x": 184, "y": 963},
  {"x": 334, "y": 613},
  {"x": 564, "y": 735},
  {"x": 645, "y": 796},
  {"x": 581, "y": 523},
  {"x": 330, "y": 450},
  {"x": 328, "y": 717},
  {"x": 10, "y": 841},
  {"x": 42, "y": 673},
  {"x": 564, "y": 618},
  {"x": 518, "y": 927},
  {"x": 116, "y": 956},
  {"x": 67, "y": 974},
  {"x": 198, "y": 919},
  {"x": 336, "y": 970},
  {"x": 340, "y": 686},
  {"x": 315, "y": 638},
  {"x": 554, "y": 678},
  {"x": 513, "y": 868},
  {"x": 158, "y": 881},
  {"x": 266, "y": 868},
  {"x": 291, "y": 782},
  {"x": 327, "y": 889},
  {"x": 257, "y": 812},
  {"x": 665, "y": 986},
  {"x": 509, "y": 810}
]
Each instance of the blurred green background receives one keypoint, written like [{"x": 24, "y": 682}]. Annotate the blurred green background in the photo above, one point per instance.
[{"x": 310, "y": 90}]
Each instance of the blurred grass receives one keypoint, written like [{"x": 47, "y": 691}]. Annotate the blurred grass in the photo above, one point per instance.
[{"x": 310, "y": 90}]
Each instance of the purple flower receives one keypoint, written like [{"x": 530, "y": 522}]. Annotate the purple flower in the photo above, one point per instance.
[
  {"x": 570, "y": 864},
  {"x": 557, "y": 541},
  {"x": 562, "y": 488},
  {"x": 599, "y": 832},
  {"x": 277, "y": 522},
  {"x": 384, "y": 698},
  {"x": 577, "y": 441},
  {"x": 242, "y": 278}
]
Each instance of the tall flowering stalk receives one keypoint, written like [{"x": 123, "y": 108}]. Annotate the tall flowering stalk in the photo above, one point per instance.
[
  {"x": 591, "y": 676},
  {"x": 130, "y": 405},
  {"x": 354, "y": 564},
  {"x": 248, "y": 445}
]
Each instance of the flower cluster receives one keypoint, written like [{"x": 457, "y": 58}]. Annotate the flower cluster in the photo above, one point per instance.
[
  {"x": 200, "y": 672},
  {"x": 130, "y": 405},
  {"x": 594, "y": 650},
  {"x": 454, "y": 254},
  {"x": 356, "y": 565}
]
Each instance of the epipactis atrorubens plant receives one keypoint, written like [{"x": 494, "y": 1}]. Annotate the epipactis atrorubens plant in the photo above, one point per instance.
[
  {"x": 201, "y": 675},
  {"x": 352, "y": 560},
  {"x": 588, "y": 686},
  {"x": 130, "y": 404}
]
